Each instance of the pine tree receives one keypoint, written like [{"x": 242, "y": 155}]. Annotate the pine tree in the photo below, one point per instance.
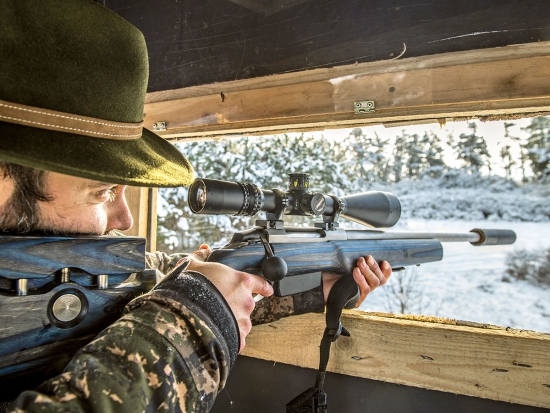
[
  {"x": 369, "y": 163},
  {"x": 507, "y": 160},
  {"x": 435, "y": 165},
  {"x": 399, "y": 156},
  {"x": 538, "y": 146},
  {"x": 380, "y": 159},
  {"x": 415, "y": 162},
  {"x": 523, "y": 158},
  {"x": 472, "y": 150}
]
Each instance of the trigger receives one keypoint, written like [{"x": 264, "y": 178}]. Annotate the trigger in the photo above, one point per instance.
[{"x": 258, "y": 297}]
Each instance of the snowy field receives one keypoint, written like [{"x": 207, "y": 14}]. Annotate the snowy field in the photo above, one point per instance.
[{"x": 467, "y": 284}]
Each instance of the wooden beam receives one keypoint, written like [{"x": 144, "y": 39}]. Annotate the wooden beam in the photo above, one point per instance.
[
  {"x": 506, "y": 82},
  {"x": 475, "y": 360},
  {"x": 143, "y": 206}
]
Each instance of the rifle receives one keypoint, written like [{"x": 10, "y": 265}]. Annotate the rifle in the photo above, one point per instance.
[
  {"x": 293, "y": 258},
  {"x": 56, "y": 295}
]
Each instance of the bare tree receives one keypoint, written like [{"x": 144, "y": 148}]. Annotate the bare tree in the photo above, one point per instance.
[{"x": 403, "y": 293}]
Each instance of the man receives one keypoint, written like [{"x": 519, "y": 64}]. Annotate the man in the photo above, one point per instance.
[{"x": 72, "y": 85}]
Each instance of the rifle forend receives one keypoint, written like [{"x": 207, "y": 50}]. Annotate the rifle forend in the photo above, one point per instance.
[{"x": 374, "y": 209}]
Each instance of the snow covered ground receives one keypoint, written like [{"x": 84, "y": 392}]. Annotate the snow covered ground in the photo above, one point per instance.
[{"x": 467, "y": 284}]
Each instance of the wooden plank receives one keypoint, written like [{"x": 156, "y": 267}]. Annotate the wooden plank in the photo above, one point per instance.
[
  {"x": 254, "y": 382},
  {"x": 152, "y": 197},
  {"x": 482, "y": 361},
  {"x": 505, "y": 82},
  {"x": 142, "y": 203}
]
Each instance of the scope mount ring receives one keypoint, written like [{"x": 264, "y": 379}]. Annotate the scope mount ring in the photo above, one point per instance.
[
  {"x": 282, "y": 202},
  {"x": 331, "y": 221}
]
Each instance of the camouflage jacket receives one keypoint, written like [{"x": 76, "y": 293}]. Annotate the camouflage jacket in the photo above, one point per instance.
[{"x": 171, "y": 351}]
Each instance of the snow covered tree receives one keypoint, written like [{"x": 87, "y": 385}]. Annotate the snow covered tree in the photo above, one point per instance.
[
  {"x": 369, "y": 162},
  {"x": 433, "y": 152},
  {"x": 415, "y": 155},
  {"x": 507, "y": 160},
  {"x": 399, "y": 156},
  {"x": 472, "y": 150},
  {"x": 538, "y": 146},
  {"x": 523, "y": 158}
]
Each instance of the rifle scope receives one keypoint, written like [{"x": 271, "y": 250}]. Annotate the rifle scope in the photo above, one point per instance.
[{"x": 211, "y": 196}]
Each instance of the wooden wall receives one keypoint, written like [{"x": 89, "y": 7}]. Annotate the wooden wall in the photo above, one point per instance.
[
  {"x": 471, "y": 359},
  {"x": 499, "y": 83},
  {"x": 228, "y": 67},
  {"x": 143, "y": 206},
  {"x": 193, "y": 42}
]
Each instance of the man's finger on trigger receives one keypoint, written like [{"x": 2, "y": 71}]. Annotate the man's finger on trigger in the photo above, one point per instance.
[
  {"x": 362, "y": 264},
  {"x": 261, "y": 286},
  {"x": 386, "y": 268},
  {"x": 364, "y": 288}
]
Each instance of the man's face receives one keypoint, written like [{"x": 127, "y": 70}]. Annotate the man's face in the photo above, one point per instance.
[{"x": 82, "y": 206}]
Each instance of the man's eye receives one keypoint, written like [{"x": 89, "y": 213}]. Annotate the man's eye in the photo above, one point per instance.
[{"x": 108, "y": 194}]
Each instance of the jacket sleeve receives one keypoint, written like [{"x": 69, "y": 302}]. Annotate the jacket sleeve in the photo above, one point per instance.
[
  {"x": 273, "y": 308},
  {"x": 172, "y": 351},
  {"x": 267, "y": 309}
]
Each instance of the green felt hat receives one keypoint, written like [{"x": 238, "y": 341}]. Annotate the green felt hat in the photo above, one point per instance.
[{"x": 73, "y": 78}]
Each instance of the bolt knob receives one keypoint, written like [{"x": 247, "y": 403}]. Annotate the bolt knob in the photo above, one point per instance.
[{"x": 274, "y": 268}]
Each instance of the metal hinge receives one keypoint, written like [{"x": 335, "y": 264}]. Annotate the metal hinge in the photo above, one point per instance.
[{"x": 364, "y": 106}]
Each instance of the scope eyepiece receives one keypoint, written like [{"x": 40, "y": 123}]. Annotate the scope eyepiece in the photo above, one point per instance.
[{"x": 197, "y": 196}]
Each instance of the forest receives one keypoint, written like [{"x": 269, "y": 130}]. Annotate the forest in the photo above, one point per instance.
[
  {"x": 407, "y": 164},
  {"x": 447, "y": 179}
]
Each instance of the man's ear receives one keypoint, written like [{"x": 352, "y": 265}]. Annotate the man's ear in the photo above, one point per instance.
[
  {"x": 6, "y": 187},
  {"x": 3, "y": 171}
]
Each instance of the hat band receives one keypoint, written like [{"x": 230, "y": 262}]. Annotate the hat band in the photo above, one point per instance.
[{"x": 68, "y": 122}]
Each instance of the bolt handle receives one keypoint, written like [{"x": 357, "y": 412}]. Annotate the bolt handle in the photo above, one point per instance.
[{"x": 274, "y": 268}]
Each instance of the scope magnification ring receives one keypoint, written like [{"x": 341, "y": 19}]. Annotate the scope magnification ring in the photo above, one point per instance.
[
  {"x": 246, "y": 199},
  {"x": 258, "y": 200}
]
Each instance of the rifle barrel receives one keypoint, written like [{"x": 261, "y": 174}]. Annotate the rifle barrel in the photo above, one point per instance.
[{"x": 476, "y": 236}]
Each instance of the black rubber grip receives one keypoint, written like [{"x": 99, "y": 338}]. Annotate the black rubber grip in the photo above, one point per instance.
[{"x": 494, "y": 237}]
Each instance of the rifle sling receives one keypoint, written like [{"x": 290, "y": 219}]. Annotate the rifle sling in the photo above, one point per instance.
[{"x": 314, "y": 399}]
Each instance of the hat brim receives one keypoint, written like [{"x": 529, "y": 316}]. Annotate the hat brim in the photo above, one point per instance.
[{"x": 150, "y": 161}]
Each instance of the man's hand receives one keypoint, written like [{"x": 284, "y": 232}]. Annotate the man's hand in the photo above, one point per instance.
[
  {"x": 368, "y": 275},
  {"x": 237, "y": 287}
]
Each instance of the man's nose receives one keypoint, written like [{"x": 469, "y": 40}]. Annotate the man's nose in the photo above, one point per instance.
[{"x": 118, "y": 214}]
